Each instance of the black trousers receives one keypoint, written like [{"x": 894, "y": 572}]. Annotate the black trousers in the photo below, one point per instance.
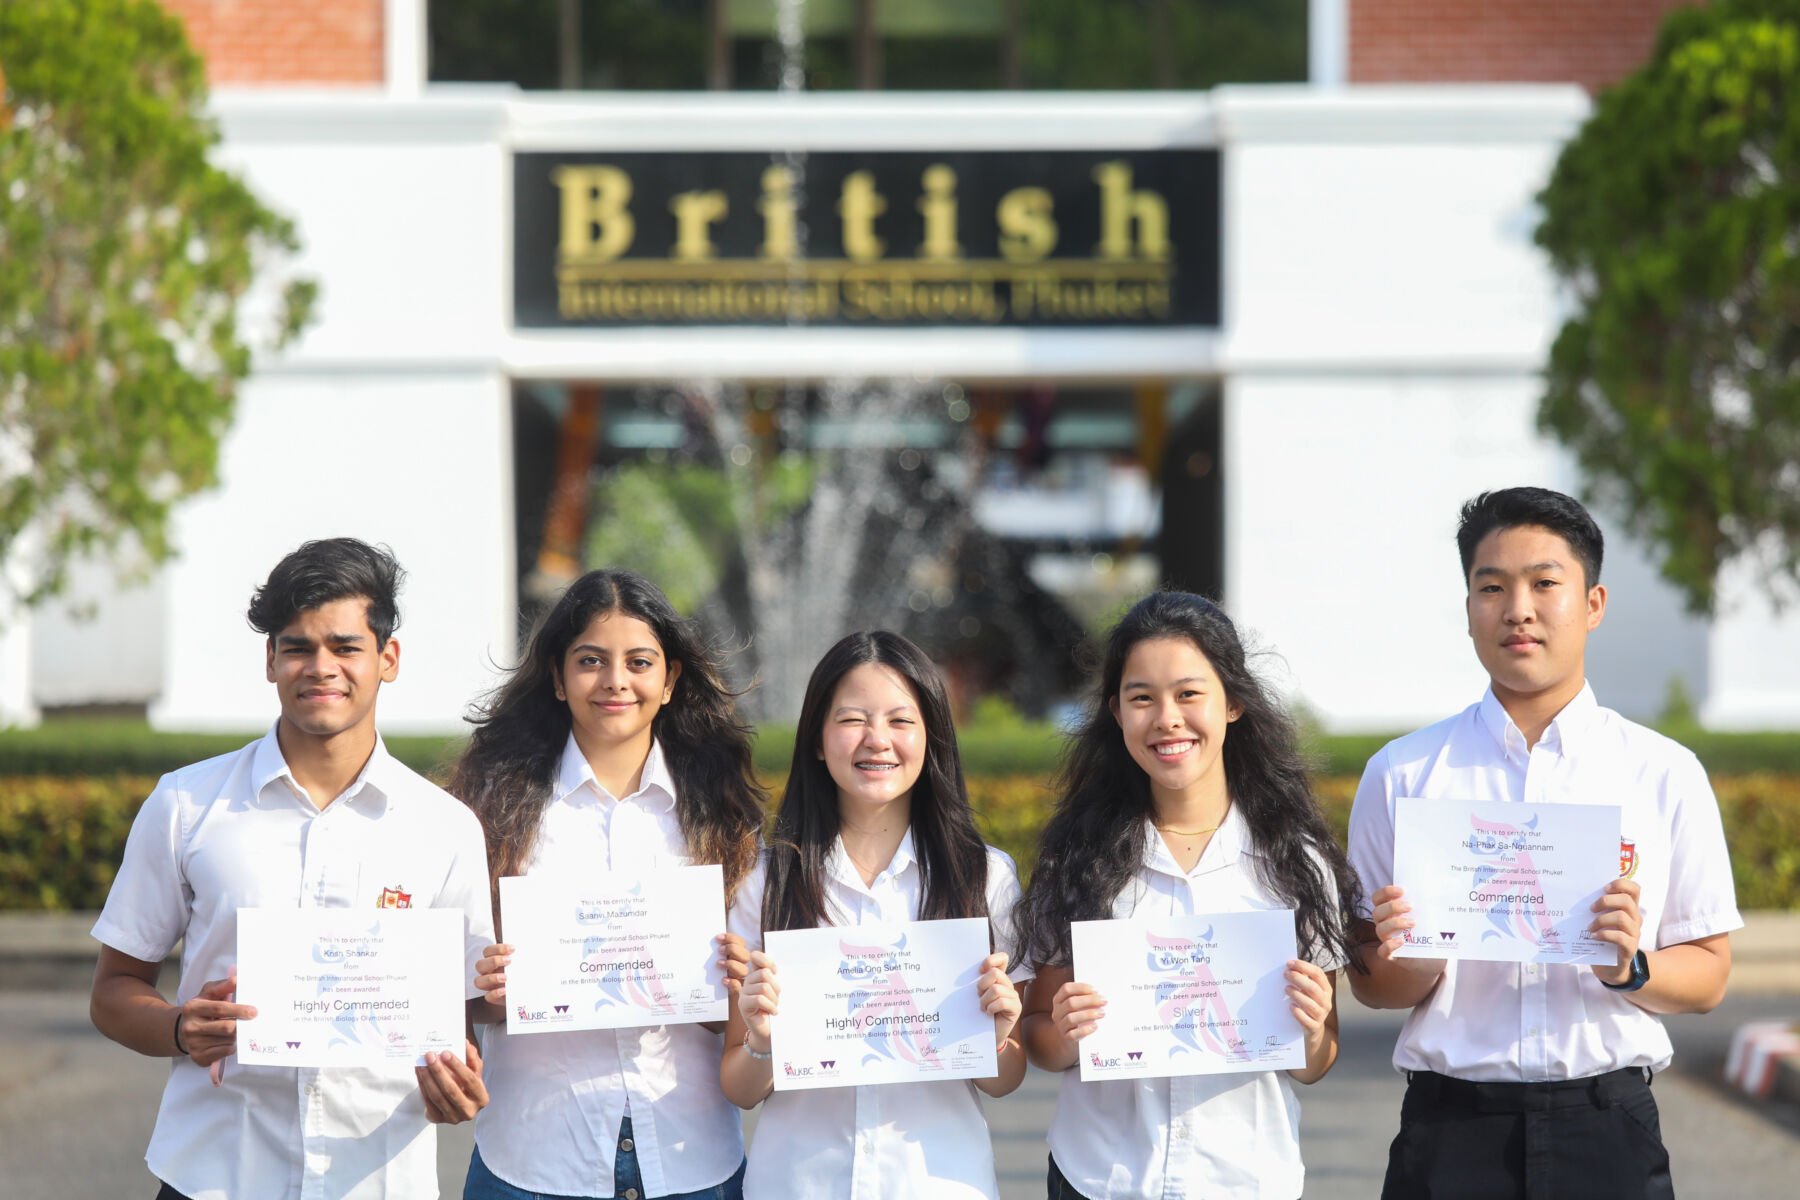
[
  {"x": 1582, "y": 1139},
  {"x": 1056, "y": 1187},
  {"x": 169, "y": 1193}
]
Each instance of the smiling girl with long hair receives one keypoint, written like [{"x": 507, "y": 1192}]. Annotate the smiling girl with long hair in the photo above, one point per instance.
[
  {"x": 874, "y": 826},
  {"x": 1183, "y": 792},
  {"x": 613, "y": 746}
]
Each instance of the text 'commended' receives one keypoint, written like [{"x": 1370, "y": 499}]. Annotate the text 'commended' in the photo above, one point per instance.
[
  {"x": 1496, "y": 881},
  {"x": 616, "y": 950}
]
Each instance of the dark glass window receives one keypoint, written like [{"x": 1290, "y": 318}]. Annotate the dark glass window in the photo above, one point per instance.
[{"x": 902, "y": 45}]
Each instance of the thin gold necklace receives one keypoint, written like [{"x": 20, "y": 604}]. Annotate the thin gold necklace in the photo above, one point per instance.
[{"x": 1194, "y": 832}]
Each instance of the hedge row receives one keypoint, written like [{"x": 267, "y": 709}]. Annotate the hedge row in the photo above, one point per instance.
[
  {"x": 109, "y": 746},
  {"x": 61, "y": 838}
]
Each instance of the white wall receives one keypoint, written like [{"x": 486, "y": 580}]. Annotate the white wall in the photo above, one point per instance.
[
  {"x": 419, "y": 463},
  {"x": 1754, "y": 657},
  {"x": 1387, "y": 316},
  {"x": 100, "y": 643}
]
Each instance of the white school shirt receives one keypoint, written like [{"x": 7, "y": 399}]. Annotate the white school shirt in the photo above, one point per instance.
[
  {"x": 556, "y": 1099},
  {"x": 1512, "y": 1022},
  {"x": 1235, "y": 1135},
  {"x": 235, "y": 832},
  {"x": 877, "y": 1141}
]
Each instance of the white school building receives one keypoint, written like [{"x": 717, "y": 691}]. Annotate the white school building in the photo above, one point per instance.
[{"x": 1366, "y": 332}]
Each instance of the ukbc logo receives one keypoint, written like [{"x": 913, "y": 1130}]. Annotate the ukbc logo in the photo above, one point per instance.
[
  {"x": 792, "y": 1070},
  {"x": 1416, "y": 939},
  {"x": 270, "y": 1047},
  {"x": 1097, "y": 1061}
]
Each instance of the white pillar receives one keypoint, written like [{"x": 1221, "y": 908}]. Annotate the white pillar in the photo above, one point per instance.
[
  {"x": 1752, "y": 648},
  {"x": 16, "y": 705},
  {"x": 1328, "y": 42},
  {"x": 404, "y": 43}
]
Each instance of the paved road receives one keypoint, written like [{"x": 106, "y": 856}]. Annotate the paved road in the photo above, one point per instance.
[{"x": 75, "y": 1112}]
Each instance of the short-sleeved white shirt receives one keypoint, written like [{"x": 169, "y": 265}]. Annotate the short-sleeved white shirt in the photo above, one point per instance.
[
  {"x": 235, "y": 832},
  {"x": 1523, "y": 1021},
  {"x": 877, "y": 1142},
  {"x": 556, "y": 1100},
  {"x": 1195, "y": 1135}
]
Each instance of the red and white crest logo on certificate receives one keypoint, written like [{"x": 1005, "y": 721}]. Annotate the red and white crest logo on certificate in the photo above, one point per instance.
[
  {"x": 1628, "y": 858},
  {"x": 394, "y": 898}
]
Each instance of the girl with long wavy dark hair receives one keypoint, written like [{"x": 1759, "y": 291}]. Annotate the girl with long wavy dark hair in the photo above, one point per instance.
[
  {"x": 1183, "y": 792},
  {"x": 614, "y": 745},
  {"x": 874, "y": 826}
]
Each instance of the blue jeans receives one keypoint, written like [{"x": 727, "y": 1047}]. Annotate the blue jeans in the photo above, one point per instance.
[{"x": 628, "y": 1181}]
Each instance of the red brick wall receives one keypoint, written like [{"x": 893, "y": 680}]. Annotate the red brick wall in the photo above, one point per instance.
[
  {"x": 1590, "y": 42},
  {"x": 285, "y": 41}
]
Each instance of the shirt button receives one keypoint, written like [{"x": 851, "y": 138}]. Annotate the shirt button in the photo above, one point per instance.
[
  {"x": 626, "y": 1145},
  {"x": 631, "y": 1194}
]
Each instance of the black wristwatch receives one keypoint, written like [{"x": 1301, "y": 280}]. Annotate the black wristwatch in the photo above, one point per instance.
[{"x": 1640, "y": 975}]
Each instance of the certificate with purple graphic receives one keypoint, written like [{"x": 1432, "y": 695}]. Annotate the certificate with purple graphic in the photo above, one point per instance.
[
  {"x": 1193, "y": 995},
  {"x": 349, "y": 987},
  {"x": 881, "y": 1004},
  {"x": 614, "y": 950},
  {"x": 1494, "y": 881}
]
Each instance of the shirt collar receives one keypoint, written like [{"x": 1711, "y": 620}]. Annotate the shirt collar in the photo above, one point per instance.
[
  {"x": 1563, "y": 734},
  {"x": 656, "y": 787},
  {"x": 843, "y": 870},
  {"x": 1229, "y": 843},
  {"x": 373, "y": 785}
]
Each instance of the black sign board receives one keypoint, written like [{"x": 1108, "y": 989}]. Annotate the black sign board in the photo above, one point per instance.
[{"x": 969, "y": 239}]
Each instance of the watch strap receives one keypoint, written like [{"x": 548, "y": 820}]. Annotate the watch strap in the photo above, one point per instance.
[{"x": 1640, "y": 975}]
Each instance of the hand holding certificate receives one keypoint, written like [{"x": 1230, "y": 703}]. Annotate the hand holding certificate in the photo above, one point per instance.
[
  {"x": 1193, "y": 995},
  {"x": 615, "y": 951},
  {"x": 341, "y": 987},
  {"x": 1495, "y": 881},
  {"x": 881, "y": 1004}
]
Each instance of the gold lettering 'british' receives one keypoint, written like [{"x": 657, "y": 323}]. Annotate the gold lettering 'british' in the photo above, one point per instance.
[
  {"x": 1128, "y": 276},
  {"x": 597, "y": 224}
]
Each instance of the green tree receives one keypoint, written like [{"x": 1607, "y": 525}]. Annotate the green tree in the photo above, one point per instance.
[
  {"x": 125, "y": 258},
  {"x": 1674, "y": 218}
]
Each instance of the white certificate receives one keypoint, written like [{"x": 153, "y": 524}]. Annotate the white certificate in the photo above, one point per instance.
[
  {"x": 1193, "y": 995},
  {"x": 616, "y": 950},
  {"x": 349, "y": 987},
  {"x": 1494, "y": 881},
  {"x": 881, "y": 1004}
]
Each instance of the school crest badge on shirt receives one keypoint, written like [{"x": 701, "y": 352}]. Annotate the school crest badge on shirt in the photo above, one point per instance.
[
  {"x": 1628, "y": 858},
  {"x": 394, "y": 898}
]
